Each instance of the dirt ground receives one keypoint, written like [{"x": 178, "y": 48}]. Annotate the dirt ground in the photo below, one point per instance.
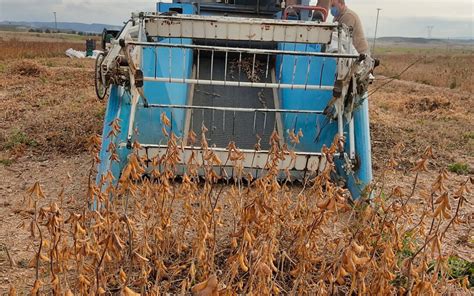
[{"x": 48, "y": 110}]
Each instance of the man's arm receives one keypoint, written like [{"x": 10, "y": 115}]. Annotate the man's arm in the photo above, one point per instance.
[{"x": 351, "y": 19}]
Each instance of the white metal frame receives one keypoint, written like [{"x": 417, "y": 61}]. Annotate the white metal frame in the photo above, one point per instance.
[
  {"x": 252, "y": 159},
  {"x": 238, "y": 28}
]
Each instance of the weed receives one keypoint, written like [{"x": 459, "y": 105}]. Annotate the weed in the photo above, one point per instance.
[
  {"x": 385, "y": 107},
  {"x": 453, "y": 84},
  {"x": 459, "y": 168},
  {"x": 420, "y": 121},
  {"x": 468, "y": 136},
  {"x": 19, "y": 138},
  {"x": 100, "y": 113},
  {"x": 460, "y": 269},
  {"x": 400, "y": 281},
  {"x": 6, "y": 162},
  {"x": 424, "y": 81},
  {"x": 408, "y": 244}
]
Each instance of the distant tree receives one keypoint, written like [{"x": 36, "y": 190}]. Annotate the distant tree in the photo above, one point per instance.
[{"x": 47, "y": 31}]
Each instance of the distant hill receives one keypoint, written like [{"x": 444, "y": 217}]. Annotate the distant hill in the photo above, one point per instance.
[
  {"x": 425, "y": 41},
  {"x": 63, "y": 26}
]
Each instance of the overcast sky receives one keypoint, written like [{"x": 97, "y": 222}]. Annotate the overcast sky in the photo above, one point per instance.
[{"x": 450, "y": 18}]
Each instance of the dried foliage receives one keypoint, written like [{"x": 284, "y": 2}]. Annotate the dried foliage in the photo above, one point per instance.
[
  {"x": 451, "y": 70},
  {"x": 28, "y": 68},
  {"x": 19, "y": 49},
  {"x": 152, "y": 236},
  {"x": 427, "y": 105},
  {"x": 47, "y": 107}
]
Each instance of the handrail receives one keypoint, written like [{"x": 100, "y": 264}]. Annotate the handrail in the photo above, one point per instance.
[
  {"x": 244, "y": 50},
  {"x": 304, "y": 7}
]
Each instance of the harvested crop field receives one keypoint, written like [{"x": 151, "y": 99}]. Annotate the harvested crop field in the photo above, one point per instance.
[{"x": 49, "y": 113}]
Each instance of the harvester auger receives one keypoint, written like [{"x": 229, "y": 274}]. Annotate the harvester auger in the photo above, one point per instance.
[{"x": 243, "y": 69}]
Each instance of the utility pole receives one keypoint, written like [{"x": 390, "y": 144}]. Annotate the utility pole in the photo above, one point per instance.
[
  {"x": 376, "y": 27},
  {"x": 430, "y": 31},
  {"x": 55, "y": 22}
]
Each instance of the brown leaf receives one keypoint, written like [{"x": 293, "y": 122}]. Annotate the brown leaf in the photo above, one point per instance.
[
  {"x": 129, "y": 292},
  {"x": 36, "y": 190},
  {"x": 36, "y": 286},
  {"x": 263, "y": 269},
  {"x": 165, "y": 120},
  {"x": 420, "y": 166},
  {"x": 206, "y": 288},
  {"x": 122, "y": 276},
  {"x": 12, "y": 291}
]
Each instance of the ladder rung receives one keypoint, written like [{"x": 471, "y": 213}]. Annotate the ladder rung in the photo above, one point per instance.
[
  {"x": 239, "y": 83},
  {"x": 235, "y": 109}
]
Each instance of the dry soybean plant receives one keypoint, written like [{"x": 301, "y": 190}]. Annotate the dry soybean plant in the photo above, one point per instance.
[{"x": 204, "y": 235}]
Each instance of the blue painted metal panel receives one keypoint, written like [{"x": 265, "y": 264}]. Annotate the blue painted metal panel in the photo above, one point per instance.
[
  {"x": 156, "y": 63},
  {"x": 165, "y": 62},
  {"x": 317, "y": 129},
  {"x": 187, "y": 8},
  {"x": 363, "y": 175},
  {"x": 147, "y": 123},
  {"x": 118, "y": 107}
]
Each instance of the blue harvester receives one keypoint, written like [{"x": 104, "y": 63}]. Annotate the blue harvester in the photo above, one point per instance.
[{"x": 243, "y": 69}]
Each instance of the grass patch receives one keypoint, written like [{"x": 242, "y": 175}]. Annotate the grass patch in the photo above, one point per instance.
[
  {"x": 19, "y": 138},
  {"x": 79, "y": 65},
  {"x": 100, "y": 113},
  {"x": 459, "y": 168},
  {"x": 453, "y": 84},
  {"x": 423, "y": 81},
  {"x": 408, "y": 245},
  {"x": 6, "y": 162},
  {"x": 49, "y": 63},
  {"x": 468, "y": 136},
  {"x": 460, "y": 269}
]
